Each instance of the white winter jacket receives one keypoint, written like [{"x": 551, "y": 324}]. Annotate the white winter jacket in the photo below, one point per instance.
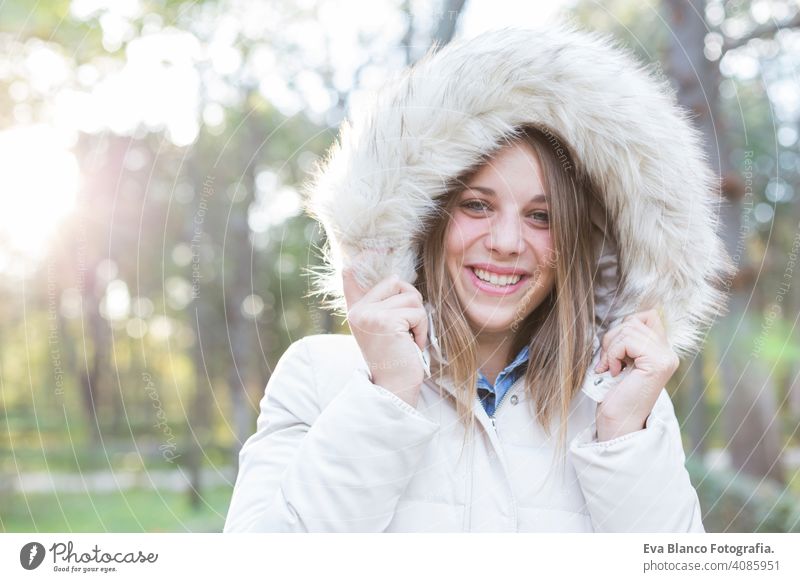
[{"x": 334, "y": 452}]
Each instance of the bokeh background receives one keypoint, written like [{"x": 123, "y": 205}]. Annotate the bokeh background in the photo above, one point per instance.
[{"x": 154, "y": 257}]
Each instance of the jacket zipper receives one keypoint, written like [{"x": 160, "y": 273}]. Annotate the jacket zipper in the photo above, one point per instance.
[
  {"x": 499, "y": 404},
  {"x": 514, "y": 388}
]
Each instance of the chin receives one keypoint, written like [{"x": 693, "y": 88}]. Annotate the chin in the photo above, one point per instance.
[{"x": 488, "y": 322}]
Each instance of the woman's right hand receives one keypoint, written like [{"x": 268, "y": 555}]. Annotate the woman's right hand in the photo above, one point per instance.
[{"x": 380, "y": 320}]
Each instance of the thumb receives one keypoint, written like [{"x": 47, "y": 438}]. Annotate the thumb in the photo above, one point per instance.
[{"x": 352, "y": 290}]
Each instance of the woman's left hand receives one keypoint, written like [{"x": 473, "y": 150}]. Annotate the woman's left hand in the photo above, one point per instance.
[{"x": 639, "y": 341}]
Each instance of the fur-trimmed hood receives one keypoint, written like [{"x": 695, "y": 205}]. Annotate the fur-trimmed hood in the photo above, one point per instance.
[{"x": 395, "y": 156}]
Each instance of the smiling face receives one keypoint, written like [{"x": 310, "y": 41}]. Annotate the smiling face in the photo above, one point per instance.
[{"x": 498, "y": 247}]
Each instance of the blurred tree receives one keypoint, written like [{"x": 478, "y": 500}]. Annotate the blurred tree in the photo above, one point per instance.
[
  {"x": 750, "y": 408},
  {"x": 699, "y": 41}
]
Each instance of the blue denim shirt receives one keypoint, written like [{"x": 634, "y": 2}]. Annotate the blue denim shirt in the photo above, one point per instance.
[{"x": 492, "y": 395}]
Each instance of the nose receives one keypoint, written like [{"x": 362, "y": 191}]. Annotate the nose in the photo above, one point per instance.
[{"x": 505, "y": 235}]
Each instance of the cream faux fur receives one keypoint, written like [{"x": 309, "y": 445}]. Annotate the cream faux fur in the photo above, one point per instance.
[{"x": 394, "y": 158}]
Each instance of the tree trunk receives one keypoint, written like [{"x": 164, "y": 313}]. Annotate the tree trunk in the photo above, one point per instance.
[
  {"x": 241, "y": 286},
  {"x": 448, "y": 19},
  {"x": 203, "y": 316},
  {"x": 748, "y": 388},
  {"x": 91, "y": 374}
]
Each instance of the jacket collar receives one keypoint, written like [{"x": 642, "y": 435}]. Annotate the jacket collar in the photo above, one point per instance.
[
  {"x": 513, "y": 370},
  {"x": 595, "y": 385}
]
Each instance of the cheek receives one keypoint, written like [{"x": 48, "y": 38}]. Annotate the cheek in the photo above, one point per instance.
[
  {"x": 540, "y": 241},
  {"x": 547, "y": 251},
  {"x": 461, "y": 234},
  {"x": 546, "y": 254}
]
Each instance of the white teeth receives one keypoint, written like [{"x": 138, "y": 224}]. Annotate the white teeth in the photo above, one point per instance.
[{"x": 499, "y": 280}]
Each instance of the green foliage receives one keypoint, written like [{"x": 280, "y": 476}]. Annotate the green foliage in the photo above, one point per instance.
[{"x": 738, "y": 503}]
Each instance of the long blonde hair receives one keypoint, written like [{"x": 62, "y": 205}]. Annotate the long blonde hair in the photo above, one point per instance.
[{"x": 559, "y": 331}]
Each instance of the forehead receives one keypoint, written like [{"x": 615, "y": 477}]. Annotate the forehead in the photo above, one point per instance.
[{"x": 513, "y": 166}]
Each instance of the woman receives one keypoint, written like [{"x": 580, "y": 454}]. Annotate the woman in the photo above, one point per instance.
[{"x": 521, "y": 218}]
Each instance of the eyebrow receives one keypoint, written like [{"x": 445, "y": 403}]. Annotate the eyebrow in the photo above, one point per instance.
[{"x": 490, "y": 192}]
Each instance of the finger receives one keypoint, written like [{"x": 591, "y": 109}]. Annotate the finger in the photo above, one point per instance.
[
  {"x": 609, "y": 336},
  {"x": 353, "y": 292},
  {"x": 615, "y": 356},
  {"x": 625, "y": 349},
  {"x": 391, "y": 285},
  {"x": 420, "y": 329},
  {"x": 402, "y": 299},
  {"x": 628, "y": 322},
  {"x": 609, "y": 340},
  {"x": 402, "y": 286},
  {"x": 639, "y": 325},
  {"x": 416, "y": 320},
  {"x": 651, "y": 318},
  {"x": 406, "y": 287},
  {"x": 635, "y": 335}
]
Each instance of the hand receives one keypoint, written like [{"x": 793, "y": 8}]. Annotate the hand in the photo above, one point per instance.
[
  {"x": 641, "y": 342},
  {"x": 386, "y": 322}
]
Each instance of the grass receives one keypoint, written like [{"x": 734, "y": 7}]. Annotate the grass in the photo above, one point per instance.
[
  {"x": 130, "y": 511},
  {"x": 735, "y": 504}
]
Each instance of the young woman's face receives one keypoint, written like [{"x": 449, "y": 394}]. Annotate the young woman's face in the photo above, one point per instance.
[{"x": 498, "y": 248}]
